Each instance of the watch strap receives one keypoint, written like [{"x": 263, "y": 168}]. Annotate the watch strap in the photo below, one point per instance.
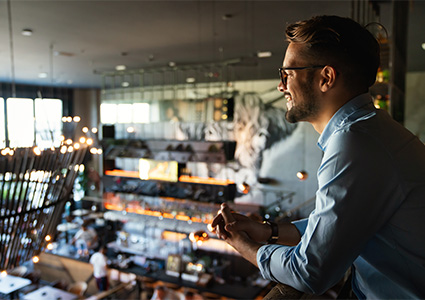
[{"x": 275, "y": 232}]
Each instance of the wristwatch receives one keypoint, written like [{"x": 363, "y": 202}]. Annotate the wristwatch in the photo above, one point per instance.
[{"x": 275, "y": 232}]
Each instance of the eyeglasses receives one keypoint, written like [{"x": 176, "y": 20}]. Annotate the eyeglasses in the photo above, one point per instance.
[{"x": 284, "y": 76}]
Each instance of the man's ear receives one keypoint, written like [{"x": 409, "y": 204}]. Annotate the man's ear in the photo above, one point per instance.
[{"x": 328, "y": 78}]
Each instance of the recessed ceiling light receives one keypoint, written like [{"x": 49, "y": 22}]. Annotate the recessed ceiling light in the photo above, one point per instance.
[
  {"x": 263, "y": 54},
  {"x": 171, "y": 64},
  {"x": 190, "y": 80},
  {"x": 120, "y": 67},
  {"x": 26, "y": 32},
  {"x": 125, "y": 84},
  {"x": 42, "y": 75},
  {"x": 423, "y": 46}
]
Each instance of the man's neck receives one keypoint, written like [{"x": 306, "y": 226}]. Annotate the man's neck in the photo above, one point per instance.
[{"x": 332, "y": 105}]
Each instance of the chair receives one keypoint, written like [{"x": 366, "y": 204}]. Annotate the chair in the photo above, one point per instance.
[
  {"x": 18, "y": 271},
  {"x": 78, "y": 288},
  {"x": 60, "y": 284}
]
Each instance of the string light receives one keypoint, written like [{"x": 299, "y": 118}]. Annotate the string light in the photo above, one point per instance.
[{"x": 37, "y": 151}]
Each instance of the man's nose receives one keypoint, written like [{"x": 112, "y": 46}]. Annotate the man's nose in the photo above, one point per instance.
[{"x": 280, "y": 87}]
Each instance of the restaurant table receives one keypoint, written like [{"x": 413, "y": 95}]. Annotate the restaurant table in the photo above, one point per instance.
[
  {"x": 50, "y": 293},
  {"x": 66, "y": 227},
  {"x": 81, "y": 212},
  {"x": 10, "y": 284}
]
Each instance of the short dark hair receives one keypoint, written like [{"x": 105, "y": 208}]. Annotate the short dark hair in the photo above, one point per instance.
[{"x": 341, "y": 43}]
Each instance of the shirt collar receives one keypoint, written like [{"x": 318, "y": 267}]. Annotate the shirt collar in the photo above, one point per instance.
[{"x": 341, "y": 117}]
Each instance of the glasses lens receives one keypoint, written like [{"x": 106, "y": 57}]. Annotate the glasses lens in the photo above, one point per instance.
[{"x": 282, "y": 76}]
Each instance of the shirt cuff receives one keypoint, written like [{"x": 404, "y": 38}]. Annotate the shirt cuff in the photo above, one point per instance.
[
  {"x": 301, "y": 225},
  {"x": 263, "y": 260}
]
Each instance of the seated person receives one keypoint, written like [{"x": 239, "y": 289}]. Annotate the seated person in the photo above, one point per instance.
[
  {"x": 85, "y": 239},
  {"x": 163, "y": 293}
]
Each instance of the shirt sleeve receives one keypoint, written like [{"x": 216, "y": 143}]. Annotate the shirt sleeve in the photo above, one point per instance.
[{"x": 350, "y": 208}]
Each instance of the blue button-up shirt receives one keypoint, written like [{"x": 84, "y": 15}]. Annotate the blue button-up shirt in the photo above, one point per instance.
[{"x": 370, "y": 211}]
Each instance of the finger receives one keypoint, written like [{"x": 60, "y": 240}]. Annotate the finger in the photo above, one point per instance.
[
  {"x": 217, "y": 219},
  {"x": 221, "y": 232},
  {"x": 227, "y": 214}
]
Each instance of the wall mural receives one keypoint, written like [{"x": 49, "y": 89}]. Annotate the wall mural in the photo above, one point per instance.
[
  {"x": 257, "y": 126},
  {"x": 267, "y": 146}
]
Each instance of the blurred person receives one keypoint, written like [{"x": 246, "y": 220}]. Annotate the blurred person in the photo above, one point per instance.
[
  {"x": 85, "y": 239},
  {"x": 370, "y": 205},
  {"x": 163, "y": 293},
  {"x": 100, "y": 268}
]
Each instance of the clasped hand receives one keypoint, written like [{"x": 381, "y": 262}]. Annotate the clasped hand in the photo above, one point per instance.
[{"x": 229, "y": 226}]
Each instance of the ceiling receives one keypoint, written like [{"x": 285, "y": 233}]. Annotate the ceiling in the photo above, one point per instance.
[{"x": 74, "y": 42}]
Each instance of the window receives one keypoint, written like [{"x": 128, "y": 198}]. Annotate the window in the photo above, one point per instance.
[
  {"x": 124, "y": 113},
  {"x": 2, "y": 127},
  {"x": 31, "y": 122},
  {"x": 48, "y": 122},
  {"x": 20, "y": 122}
]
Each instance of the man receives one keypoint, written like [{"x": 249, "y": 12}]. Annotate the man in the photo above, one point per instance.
[
  {"x": 100, "y": 268},
  {"x": 85, "y": 239},
  {"x": 370, "y": 203}
]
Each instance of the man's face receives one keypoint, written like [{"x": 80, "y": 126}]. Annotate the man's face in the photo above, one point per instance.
[{"x": 300, "y": 93}]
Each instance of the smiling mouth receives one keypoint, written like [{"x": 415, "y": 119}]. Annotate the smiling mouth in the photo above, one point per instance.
[{"x": 289, "y": 100}]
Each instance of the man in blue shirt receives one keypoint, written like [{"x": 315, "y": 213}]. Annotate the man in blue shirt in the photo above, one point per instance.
[{"x": 370, "y": 204}]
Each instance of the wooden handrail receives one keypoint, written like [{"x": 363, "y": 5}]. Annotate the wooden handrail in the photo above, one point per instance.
[{"x": 109, "y": 292}]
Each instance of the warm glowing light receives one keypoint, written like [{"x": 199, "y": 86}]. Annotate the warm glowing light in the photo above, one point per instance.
[
  {"x": 63, "y": 149},
  {"x": 244, "y": 188},
  {"x": 130, "y": 129},
  {"x": 62, "y": 138},
  {"x": 93, "y": 151},
  {"x": 48, "y": 238},
  {"x": 3, "y": 273},
  {"x": 49, "y": 246},
  {"x": 82, "y": 140},
  {"x": 76, "y": 119},
  {"x": 302, "y": 175},
  {"x": 99, "y": 151},
  {"x": 5, "y": 151},
  {"x": 69, "y": 119},
  {"x": 70, "y": 149},
  {"x": 64, "y": 119},
  {"x": 35, "y": 259},
  {"x": 77, "y": 146},
  {"x": 85, "y": 129},
  {"x": 94, "y": 130},
  {"x": 89, "y": 141},
  {"x": 37, "y": 151},
  {"x": 81, "y": 168},
  {"x": 68, "y": 142}
]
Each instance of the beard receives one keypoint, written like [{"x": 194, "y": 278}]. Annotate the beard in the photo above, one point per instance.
[{"x": 305, "y": 109}]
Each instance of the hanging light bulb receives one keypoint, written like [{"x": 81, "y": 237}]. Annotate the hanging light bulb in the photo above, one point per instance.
[
  {"x": 35, "y": 259},
  {"x": 302, "y": 175}
]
